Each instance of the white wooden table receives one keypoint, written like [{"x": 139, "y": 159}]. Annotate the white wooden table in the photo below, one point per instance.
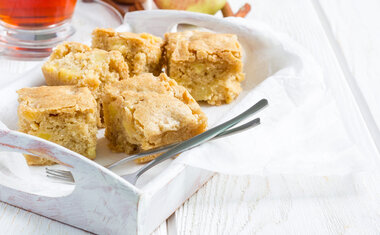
[{"x": 344, "y": 37}]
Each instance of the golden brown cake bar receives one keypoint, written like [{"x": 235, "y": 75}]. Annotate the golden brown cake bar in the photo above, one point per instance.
[
  {"x": 74, "y": 63},
  {"x": 65, "y": 115},
  {"x": 142, "y": 52},
  {"x": 146, "y": 112},
  {"x": 209, "y": 65}
]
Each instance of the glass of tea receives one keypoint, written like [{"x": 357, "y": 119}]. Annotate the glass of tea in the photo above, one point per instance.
[{"x": 30, "y": 28}]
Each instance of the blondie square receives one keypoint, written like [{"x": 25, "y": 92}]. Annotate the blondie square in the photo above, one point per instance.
[
  {"x": 65, "y": 115},
  {"x": 146, "y": 112},
  {"x": 73, "y": 63},
  {"x": 209, "y": 65},
  {"x": 142, "y": 52}
]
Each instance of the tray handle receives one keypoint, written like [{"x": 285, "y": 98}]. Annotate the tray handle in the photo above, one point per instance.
[
  {"x": 100, "y": 202},
  {"x": 83, "y": 169}
]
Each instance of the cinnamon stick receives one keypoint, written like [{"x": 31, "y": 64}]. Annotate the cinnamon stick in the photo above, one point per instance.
[
  {"x": 243, "y": 11},
  {"x": 139, "y": 6},
  {"x": 227, "y": 11},
  {"x": 132, "y": 8}
]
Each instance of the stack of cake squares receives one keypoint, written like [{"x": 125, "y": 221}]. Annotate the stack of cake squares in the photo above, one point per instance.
[{"x": 144, "y": 90}]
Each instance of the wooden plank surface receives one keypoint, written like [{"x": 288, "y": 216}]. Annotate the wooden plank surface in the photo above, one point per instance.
[
  {"x": 280, "y": 205},
  {"x": 355, "y": 25},
  {"x": 297, "y": 204},
  {"x": 277, "y": 204},
  {"x": 18, "y": 221}
]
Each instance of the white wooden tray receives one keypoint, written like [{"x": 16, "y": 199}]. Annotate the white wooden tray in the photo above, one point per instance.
[{"x": 101, "y": 201}]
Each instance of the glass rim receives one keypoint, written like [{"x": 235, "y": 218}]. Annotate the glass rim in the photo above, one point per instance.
[{"x": 29, "y": 43}]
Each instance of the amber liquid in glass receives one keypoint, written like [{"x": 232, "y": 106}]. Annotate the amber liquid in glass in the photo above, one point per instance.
[{"x": 35, "y": 13}]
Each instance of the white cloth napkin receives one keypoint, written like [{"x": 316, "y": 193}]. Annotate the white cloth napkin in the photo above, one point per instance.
[{"x": 301, "y": 131}]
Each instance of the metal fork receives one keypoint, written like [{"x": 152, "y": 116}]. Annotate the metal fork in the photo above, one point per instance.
[
  {"x": 67, "y": 176},
  {"x": 175, "y": 149}
]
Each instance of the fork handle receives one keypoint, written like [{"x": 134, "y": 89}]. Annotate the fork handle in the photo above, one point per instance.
[
  {"x": 205, "y": 136},
  {"x": 162, "y": 149}
]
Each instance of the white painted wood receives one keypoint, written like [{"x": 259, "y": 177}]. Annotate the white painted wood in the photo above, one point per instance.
[
  {"x": 296, "y": 204},
  {"x": 94, "y": 186},
  {"x": 278, "y": 204},
  {"x": 161, "y": 230},
  {"x": 17, "y": 221},
  {"x": 366, "y": 106},
  {"x": 356, "y": 25}
]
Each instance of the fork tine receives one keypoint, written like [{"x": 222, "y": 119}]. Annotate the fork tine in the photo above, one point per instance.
[
  {"x": 63, "y": 172},
  {"x": 59, "y": 174}
]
